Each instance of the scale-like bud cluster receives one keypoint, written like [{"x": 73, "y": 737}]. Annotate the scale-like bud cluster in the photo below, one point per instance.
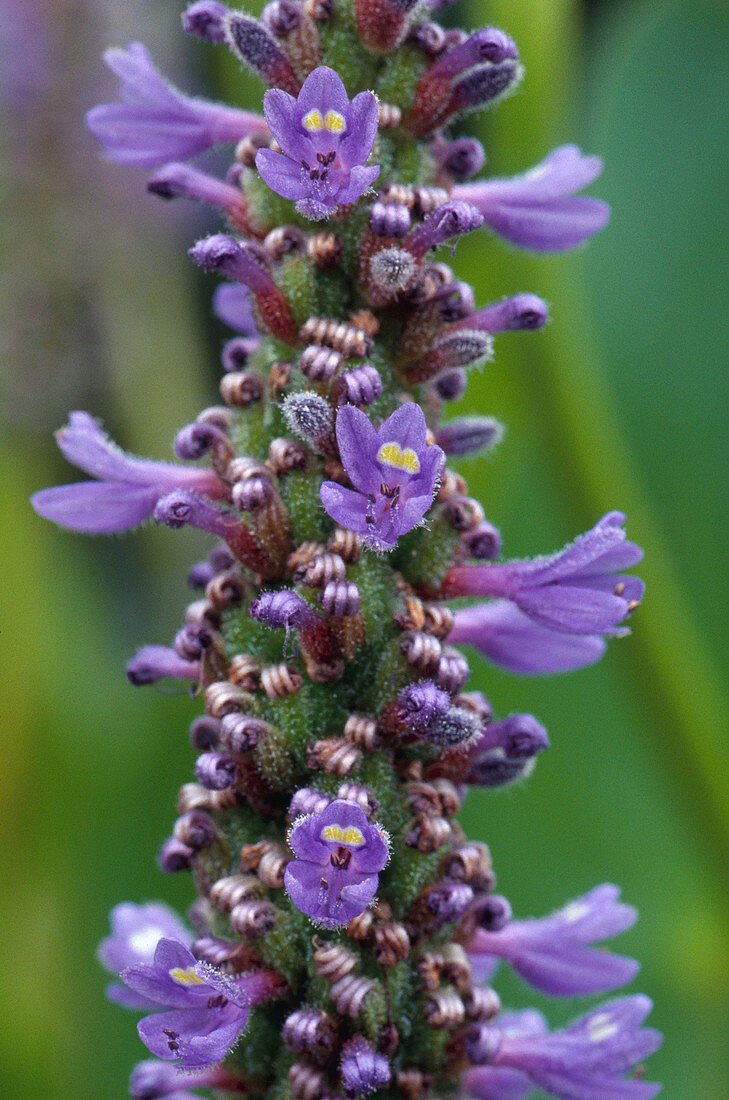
[{"x": 345, "y": 930}]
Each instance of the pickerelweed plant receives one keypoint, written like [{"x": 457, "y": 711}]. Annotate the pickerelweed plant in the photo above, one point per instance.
[{"x": 345, "y": 930}]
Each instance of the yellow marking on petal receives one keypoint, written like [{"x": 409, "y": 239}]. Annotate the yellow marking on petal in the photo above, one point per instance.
[
  {"x": 185, "y": 977},
  {"x": 601, "y": 1027},
  {"x": 394, "y": 455},
  {"x": 335, "y": 122},
  {"x": 312, "y": 120},
  {"x": 351, "y": 835}
]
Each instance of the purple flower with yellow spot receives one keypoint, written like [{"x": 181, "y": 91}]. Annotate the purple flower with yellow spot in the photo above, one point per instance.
[
  {"x": 325, "y": 141},
  {"x": 394, "y": 470},
  {"x": 135, "y": 932},
  {"x": 206, "y": 1010},
  {"x": 339, "y": 855}
]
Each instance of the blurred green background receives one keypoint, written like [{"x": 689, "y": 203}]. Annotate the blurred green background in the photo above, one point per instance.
[{"x": 621, "y": 403}]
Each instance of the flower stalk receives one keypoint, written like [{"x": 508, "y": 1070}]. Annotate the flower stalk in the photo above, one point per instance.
[{"x": 339, "y": 907}]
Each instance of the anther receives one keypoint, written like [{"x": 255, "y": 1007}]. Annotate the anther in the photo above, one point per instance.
[
  {"x": 333, "y": 961},
  {"x": 362, "y": 731},
  {"x": 334, "y": 755},
  {"x": 226, "y": 893},
  {"x": 423, "y": 651},
  {"x": 340, "y": 598},
  {"x": 283, "y": 240},
  {"x": 345, "y": 544},
  {"x": 253, "y": 918},
  {"x": 428, "y": 834},
  {"x": 311, "y": 1032},
  {"x": 343, "y": 337},
  {"x": 349, "y": 994},
  {"x": 306, "y": 1082},
  {"x": 319, "y": 363},
  {"x": 363, "y": 796},
  {"x": 241, "y": 389},
  {"x": 389, "y": 116},
  {"x": 222, "y": 697},
  {"x": 444, "y": 1009},
  {"x": 324, "y": 249},
  {"x": 280, "y": 680}
]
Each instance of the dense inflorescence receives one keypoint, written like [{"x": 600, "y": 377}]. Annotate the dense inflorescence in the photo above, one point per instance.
[{"x": 345, "y": 930}]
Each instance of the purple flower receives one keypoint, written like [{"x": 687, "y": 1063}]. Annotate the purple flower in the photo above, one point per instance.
[
  {"x": 554, "y": 953},
  {"x": 339, "y": 854},
  {"x": 232, "y": 305},
  {"x": 135, "y": 932},
  {"x": 539, "y": 209},
  {"x": 156, "y": 123},
  {"x": 207, "y": 1010},
  {"x": 325, "y": 141},
  {"x": 585, "y": 1061},
  {"x": 127, "y": 488},
  {"x": 153, "y": 1080},
  {"x": 395, "y": 474},
  {"x": 364, "y": 1070},
  {"x": 511, "y": 640},
  {"x": 499, "y": 1082},
  {"x": 575, "y": 591}
]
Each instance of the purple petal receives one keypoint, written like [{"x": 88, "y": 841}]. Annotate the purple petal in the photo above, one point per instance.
[
  {"x": 572, "y": 609},
  {"x": 515, "y": 642},
  {"x": 358, "y": 445},
  {"x": 202, "y": 1037},
  {"x": 345, "y": 507},
  {"x": 323, "y": 90},
  {"x": 232, "y": 305},
  {"x": 282, "y": 174},
  {"x": 136, "y": 931},
  {"x": 279, "y": 109},
  {"x": 562, "y": 172},
  {"x": 361, "y": 116},
  {"x": 145, "y": 136},
  {"x": 360, "y": 178},
  {"x": 85, "y": 444},
  {"x": 120, "y": 995},
  {"x": 564, "y": 224},
  {"x": 406, "y": 426},
  {"x": 496, "y": 1083},
  {"x": 141, "y": 81},
  {"x": 96, "y": 507},
  {"x": 573, "y": 971}
]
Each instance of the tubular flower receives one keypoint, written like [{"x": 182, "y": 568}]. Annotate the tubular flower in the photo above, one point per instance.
[
  {"x": 325, "y": 141},
  {"x": 126, "y": 490},
  {"x": 539, "y": 209},
  {"x": 575, "y": 591},
  {"x": 553, "y": 954},
  {"x": 156, "y": 123},
  {"x": 344, "y": 925}
]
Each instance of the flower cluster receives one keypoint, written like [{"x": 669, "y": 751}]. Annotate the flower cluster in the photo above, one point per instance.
[{"x": 346, "y": 934}]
